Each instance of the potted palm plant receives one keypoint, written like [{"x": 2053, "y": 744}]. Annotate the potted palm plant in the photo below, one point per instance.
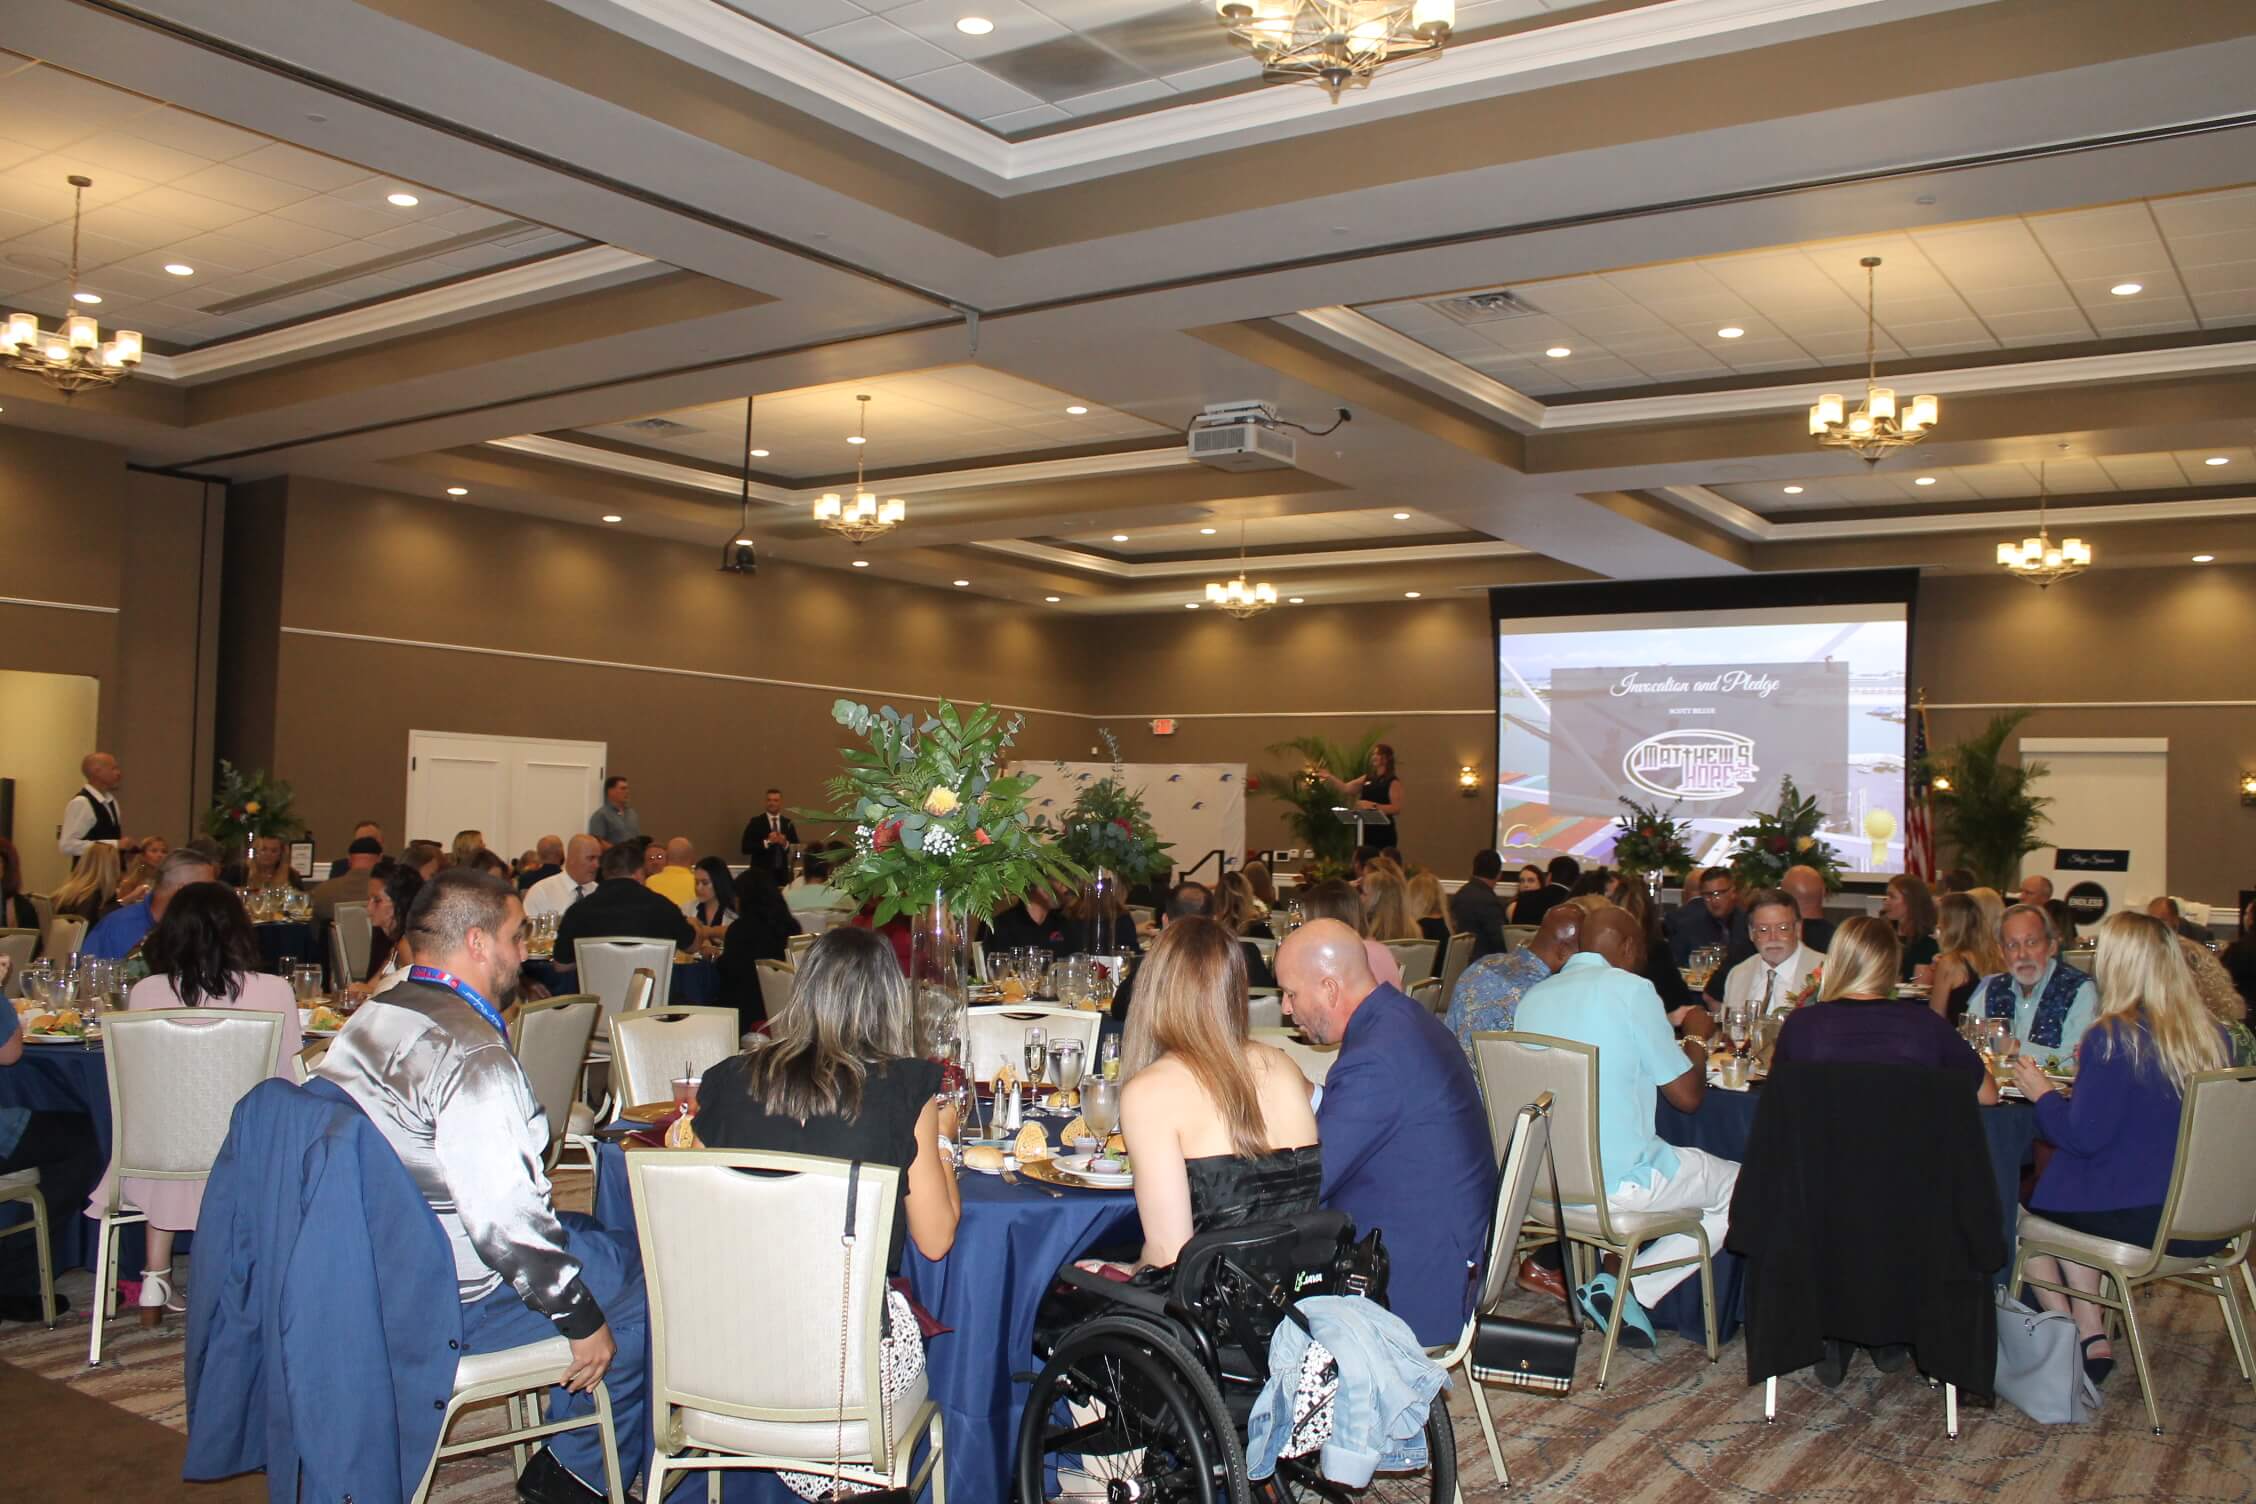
[
  {"x": 1313, "y": 797},
  {"x": 1986, "y": 807}
]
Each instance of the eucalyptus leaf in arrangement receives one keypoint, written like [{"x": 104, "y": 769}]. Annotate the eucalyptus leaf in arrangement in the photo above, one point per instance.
[
  {"x": 1108, "y": 827},
  {"x": 934, "y": 814},
  {"x": 246, "y": 804},
  {"x": 1786, "y": 836},
  {"x": 1646, "y": 840}
]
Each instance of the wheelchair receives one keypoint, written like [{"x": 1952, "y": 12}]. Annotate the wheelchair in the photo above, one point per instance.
[{"x": 1146, "y": 1389}]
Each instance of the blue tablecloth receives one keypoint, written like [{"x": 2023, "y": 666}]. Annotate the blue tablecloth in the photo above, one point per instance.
[
  {"x": 1010, "y": 1242},
  {"x": 1721, "y": 1127},
  {"x": 697, "y": 984},
  {"x": 284, "y": 941},
  {"x": 65, "y": 1078}
]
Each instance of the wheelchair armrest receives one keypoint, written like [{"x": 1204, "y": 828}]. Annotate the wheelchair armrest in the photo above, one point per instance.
[{"x": 1143, "y": 1298}]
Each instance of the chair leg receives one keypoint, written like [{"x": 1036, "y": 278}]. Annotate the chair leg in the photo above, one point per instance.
[
  {"x": 1487, "y": 1425},
  {"x": 1707, "y": 1293},
  {"x": 1950, "y": 1411},
  {"x": 2138, "y": 1355},
  {"x": 1614, "y": 1321},
  {"x": 1770, "y": 1400},
  {"x": 105, "y": 1287},
  {"x": 2235, "y": 1325},
  {"x": 46, "y": 1259},
  {"x": 518, "y": 1421},
  {"x": 939, "y": 1461},
  {"x": 615, "y": 1488}
]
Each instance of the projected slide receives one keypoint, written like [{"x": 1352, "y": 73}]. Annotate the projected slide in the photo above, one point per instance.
[{"x": 1702, "y": 713}]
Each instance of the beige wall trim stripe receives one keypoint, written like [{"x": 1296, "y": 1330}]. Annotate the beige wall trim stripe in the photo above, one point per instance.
[{"x": 17, "y": 600}]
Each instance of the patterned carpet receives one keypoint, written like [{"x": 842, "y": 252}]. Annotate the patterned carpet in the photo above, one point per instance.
[{"x": 1669, "y": 1430}]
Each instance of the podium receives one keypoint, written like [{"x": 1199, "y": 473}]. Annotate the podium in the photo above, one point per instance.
[{"x": 1348, "y": 815}]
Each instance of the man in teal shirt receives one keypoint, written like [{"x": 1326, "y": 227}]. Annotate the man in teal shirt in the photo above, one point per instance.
[{"x": 1599, "y": 999}]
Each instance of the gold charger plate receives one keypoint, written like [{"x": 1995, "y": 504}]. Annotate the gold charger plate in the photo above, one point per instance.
[
  {"x": 649, "y": 1112},
  {"x": 1049, "y": 1174}
]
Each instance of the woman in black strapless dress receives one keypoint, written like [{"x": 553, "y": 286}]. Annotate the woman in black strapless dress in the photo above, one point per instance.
[{"x": 1218, "y": 1126}]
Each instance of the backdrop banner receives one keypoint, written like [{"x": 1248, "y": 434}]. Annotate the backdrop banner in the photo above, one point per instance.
[{"x": 1198, "y": 808}]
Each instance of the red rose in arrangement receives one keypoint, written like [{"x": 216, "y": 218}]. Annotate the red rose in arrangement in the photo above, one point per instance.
[
  {"x": 1778, "y": 844},
  {"x": 1124, "y": 825},
  {"x": 982, "y": 838},
  {"x": 885, "y": 835}
]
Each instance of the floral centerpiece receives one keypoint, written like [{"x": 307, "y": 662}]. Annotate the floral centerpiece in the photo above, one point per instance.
[
  {"x": 246, "y": 806},
  {"x": 1646, "y": 840},
  {"x": 1108, "y": 828},
  {"x": 1776, "y": 839}
]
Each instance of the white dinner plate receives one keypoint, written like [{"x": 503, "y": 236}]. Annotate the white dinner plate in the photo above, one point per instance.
[
  {"x": 1078, "y": 1165},
  {"x": 53, "y": 1039}
]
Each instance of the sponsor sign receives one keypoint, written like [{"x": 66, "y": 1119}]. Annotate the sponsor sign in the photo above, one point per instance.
[
  {"x": 2090, "y": 859},
  {"x": 2087, "y": 904}
]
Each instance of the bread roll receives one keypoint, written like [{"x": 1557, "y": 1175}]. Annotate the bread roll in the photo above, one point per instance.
[{"x": 983, "y": 1157}]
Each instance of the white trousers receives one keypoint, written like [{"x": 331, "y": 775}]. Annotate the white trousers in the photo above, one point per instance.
[{"x": 1702, "y": 1183}]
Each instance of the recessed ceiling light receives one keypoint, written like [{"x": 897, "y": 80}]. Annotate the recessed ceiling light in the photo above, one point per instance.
[
  {"x": 179, "y": 269},
  {"x": 1924, "y": 480},
  {"x": 1120, "y": 537},
  {"x": 960, "y": 584},
  {"x": 758, "y": 454},
  {"x": 1053, "y": 599},
  {"x": 2127, "y": 289},
  {"x": 1206, "y": 532},
  {"x": 88, "y": 298},
  {"x": 2204, "y": 558},
  {"x": 861, "y": 563},
  {"x": 1190, "y": 605},
  {"x": 974, "y": 26},
  {"x": 2216, "y": 459},
  {"x": 1793, "y": 490},
  {"x": 458, "y": 490},
  {"x": 1292, "y": 600},
  {"x": 1729, "y": 331},
  {"x": 1558, "y": 352},
  {"x": 855, "y": 438},
  {"x": 1409, "y": 595},
  {"x": 1402, "y": 516},
  {"x": 744, "y": 543},
  {"x": 402, "y": 200},
  {"x": 1076, "y": 410},
  {"x": 613, "y": 517}
]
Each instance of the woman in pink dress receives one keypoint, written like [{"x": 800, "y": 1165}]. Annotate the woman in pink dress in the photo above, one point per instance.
[{"x": 202, "y": 954}]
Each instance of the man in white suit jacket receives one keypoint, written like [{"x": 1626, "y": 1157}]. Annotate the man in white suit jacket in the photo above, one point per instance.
[{"x": 1780, "y": 969}]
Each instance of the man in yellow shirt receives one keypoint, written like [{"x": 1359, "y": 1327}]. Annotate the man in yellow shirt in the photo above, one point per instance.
[{"x": 673, "y": 873}]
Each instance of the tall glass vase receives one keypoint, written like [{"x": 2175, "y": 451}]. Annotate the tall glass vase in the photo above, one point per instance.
[{"x": 939, "y": 979}]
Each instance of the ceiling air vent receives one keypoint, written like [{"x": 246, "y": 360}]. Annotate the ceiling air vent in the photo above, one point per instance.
[
  {"x": 1484, "y": 307},
  {"x": 661, "y": 426}
]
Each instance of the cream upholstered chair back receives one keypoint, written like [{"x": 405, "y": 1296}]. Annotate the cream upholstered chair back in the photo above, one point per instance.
[
  {"x": 1455, "y": 957},
  {"x": 711, "y": 1232},
  {"x": 550, "y": 1038},
  {"x": 17, "y": 946},
  {"x": 65, "y": 933},
  {"x": 998, "y": 1033},
  {"x": 1415, "y": 957},
  {"x": 1517, "y": 935},
  {"x": 356, "y": 936},
  {"x": 175, "y": 1077},
  {"x": 778, "y": 980},
  {"x": 649, "y": 1049},
  {"x": 1314, "y": 1060},
  {"x": 2213, "y": 1187},
  {"x": 607, "y": 964},
  {"x": 1518, "y": 1068},
  {"x": 1265, "y": 1009},
  {"x": 1524, "y": 1170}
]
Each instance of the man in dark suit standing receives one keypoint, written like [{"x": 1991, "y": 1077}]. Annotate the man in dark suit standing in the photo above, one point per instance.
[
  {"x": 769, "y": 837},
  {"x": 1405, "y": 1136}
]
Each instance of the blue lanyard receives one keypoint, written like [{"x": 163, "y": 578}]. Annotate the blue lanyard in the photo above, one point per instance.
[{"x": 460, "y": 989}]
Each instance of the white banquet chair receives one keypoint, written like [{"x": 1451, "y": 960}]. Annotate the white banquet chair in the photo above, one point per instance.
[
  {"x": 518, "y": 1375},
  {"x": 607, "y": 963},
  {"x": 65, "y": 933},
  {"x": 1454, "y": 959},
  {"x": 998, "y": 1033},
  {"x": 778, "y": 980},
  {"x": 650, "y": 1048},
  {"x": 23, "y": 1185},
  {"x": 1416, "y": 958},
  {"x": 709, "y": 1232},
  {"x": 1314, "y": 1060},
  {"x": 175, "y": 1077},
  {"x": 550, "y": 1038},
  {"x": 1265, "y": 1008},
  {"x": 356, "y": 937}
]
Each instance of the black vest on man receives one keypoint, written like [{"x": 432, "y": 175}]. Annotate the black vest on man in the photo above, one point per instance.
[{"x": 105, "y": 827}]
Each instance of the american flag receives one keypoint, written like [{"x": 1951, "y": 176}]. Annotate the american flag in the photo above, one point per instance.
[{"x": 1919, "y": 818}]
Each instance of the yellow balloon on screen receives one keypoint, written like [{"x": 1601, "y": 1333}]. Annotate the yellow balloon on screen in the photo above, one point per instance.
[{"x": 1879, "y": 825}]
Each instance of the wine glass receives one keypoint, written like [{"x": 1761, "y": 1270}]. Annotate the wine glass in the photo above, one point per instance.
[
  {"x": 1100, "y": 1108},
  {"x": 1739, "y": 1023},
  {"x": 1037, "y": 1054},
  {"x": 1108, "y": 1057}
]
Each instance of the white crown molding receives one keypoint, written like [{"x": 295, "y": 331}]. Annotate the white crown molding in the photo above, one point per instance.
[
  {"x": 392, "y": 315},
  {"x": 1622, "y": 38},
  {"x": 694, "y": 478},
  {"x": 1121, "y": 569},
  {"x": 1759, "y": 529}
]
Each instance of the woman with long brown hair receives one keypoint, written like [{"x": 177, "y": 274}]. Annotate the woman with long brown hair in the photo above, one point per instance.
[
  {"x": 1234, "y": 909},
  {"x": 1386, "y": 905},
  {"x": 1910, "y": 908},
  {"x": 17, "y": 911},
  {"x": 271, "y": 868},
  {"x": 1967, "y": 951},
  {"x": 1219, "y": 1126},
  {"x": 1378, "y": 793}
]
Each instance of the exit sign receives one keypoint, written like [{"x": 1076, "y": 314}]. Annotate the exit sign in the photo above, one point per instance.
[{"x": 1164, "y": 726}]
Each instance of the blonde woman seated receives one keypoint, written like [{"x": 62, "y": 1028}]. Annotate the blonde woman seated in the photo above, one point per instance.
[
  {"x": 91, "y": 889},
  {"x": 1858, "y": 1019},
  {"x": 1219, "y": 1127},
  {"x": 1429, "y": 910}
]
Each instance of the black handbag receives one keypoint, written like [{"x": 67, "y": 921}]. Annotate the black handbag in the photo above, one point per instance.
[{"x": 1538, "y": 1355}]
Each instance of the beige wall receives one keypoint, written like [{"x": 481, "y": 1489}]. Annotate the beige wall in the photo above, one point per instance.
[
  {"x": 50, "y": 720},
  {"x": 110, "y": 574}
]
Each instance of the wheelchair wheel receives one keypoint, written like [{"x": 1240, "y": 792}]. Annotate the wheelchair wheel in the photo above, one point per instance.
[
  {"x": 1123, "y": 1412},
  {"x": 1297, "y": 1481}
]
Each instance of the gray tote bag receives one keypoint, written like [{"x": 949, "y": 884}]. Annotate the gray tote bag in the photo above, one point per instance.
[{"x": 2040, "y": 1368}]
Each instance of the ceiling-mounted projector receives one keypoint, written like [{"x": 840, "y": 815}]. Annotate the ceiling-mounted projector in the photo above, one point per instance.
[{"x": 1240, "y": 436}]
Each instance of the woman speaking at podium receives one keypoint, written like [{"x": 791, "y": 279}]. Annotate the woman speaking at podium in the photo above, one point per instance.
[{"x": 1378, "y": 794}]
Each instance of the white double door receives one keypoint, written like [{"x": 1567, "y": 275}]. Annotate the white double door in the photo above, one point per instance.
[{"x": 516, "y": 789}]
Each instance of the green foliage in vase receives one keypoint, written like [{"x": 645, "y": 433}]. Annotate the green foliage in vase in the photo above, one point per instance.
[
  {"x": 934, "y": 815},
  {"x": 1776, "y": 839},
  {"x": 1646, "y": 840},
  {"x": 1109, "y": 827},
  {"x": 246, "y": 804},
  {"x": 1313, "y": 798},
  {"x": 1990, "y": 814}
]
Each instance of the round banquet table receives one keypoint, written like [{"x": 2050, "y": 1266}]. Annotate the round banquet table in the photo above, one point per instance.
[
  {"x": 1722, "y": 1125},
  {"x": 66, "y": 1078},
  {"x": 696, "y": 983},
  {"x": 986, "y": 1291}
]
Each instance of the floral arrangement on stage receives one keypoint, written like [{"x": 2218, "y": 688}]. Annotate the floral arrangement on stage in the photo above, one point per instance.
[
  {"x": 246, "y": 805},
  {"x": 1313, "y": 797},
  {"x": 1784, "y": 837},
  {"x": 934, "y": 817},
  {"x": 1646, "y": 840},
  {"x": 1109, "y": 828}
]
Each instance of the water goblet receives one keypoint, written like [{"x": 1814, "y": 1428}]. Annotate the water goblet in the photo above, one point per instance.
[
  {"x": 1037, "y": 1053},
  {"x": 1065, "y": 1063}
]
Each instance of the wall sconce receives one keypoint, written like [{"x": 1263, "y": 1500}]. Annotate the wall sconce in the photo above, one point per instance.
[
  {"x": 1942, "y": 783},
  {"x": 1468, "y": 780},
  {"x": 2248, "y": 788}
]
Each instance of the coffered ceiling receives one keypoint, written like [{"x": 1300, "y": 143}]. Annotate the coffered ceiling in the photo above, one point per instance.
[{"x": 634, "y": 214}]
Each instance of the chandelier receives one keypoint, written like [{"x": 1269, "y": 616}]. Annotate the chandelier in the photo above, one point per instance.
[
  {"x": 1878, "y": 428},
  {"x": 72, "y": 358},
  {"x": 2039, "y": 560},
  {"x": 865, "y": 517},
  {"x": 1338, "y": 44},
  {"x": 1237, "y": 597}
]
